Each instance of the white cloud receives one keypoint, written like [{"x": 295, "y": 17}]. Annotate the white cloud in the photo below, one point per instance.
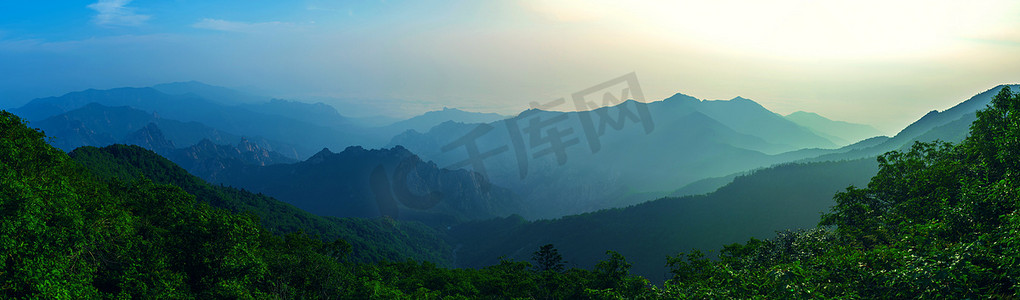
[
  {"x": 234, "y": 26},
  {"x": 115, "y": 13}
]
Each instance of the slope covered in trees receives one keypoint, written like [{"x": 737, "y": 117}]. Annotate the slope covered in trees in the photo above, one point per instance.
[
  {"x": 755, "y": 205},
  {"x": 938, "y": 221},
  {"x": 372, "y": 240},
  {"x": 67, "y": 233}
]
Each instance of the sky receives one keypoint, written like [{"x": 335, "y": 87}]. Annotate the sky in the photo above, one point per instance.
[{"x": 883, "y": 63}]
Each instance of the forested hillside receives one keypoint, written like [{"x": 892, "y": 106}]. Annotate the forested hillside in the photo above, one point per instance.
[
  {"x": 755, "y": 205},
  {"x": 938, "y": 221},
  {"x": 372, "y": 240},
  {"x": 69, "y": 233}
]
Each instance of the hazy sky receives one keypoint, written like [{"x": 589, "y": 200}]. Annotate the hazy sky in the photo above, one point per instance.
[{"x": 884, "y": 63}]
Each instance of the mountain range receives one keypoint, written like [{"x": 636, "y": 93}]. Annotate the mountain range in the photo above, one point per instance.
[
  {"x": 733, "y": 169},
  {"x": 621, "y": 156},
  {"x": 839, "y": 132},
  {"x": 371, "y": 183},
  {"x": 613, "y": 162}
]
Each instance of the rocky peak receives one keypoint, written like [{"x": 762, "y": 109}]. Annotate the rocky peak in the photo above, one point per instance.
[{"x": 150, "y": 137}]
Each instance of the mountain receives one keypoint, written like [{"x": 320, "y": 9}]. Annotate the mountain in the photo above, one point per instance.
[
  {"x": 99, "y": 125},
  {"x": 371, "y": 239},
  {"x": 109, "y": 231},
  {"x": 218, "y": 94},
  {"x": 316, "y": 113},
  {"x": 839, "y": 132},
  {"x": 208, "y": 159},
  {"x": 755, "y": 204},
  {"x": 146, "y": 99},
  {"x": 285, "y": 124},
  {"x": 371, "y": 183},
  {"x": 746, "y": 116},
  {"x": 951, "y": 125},
  {"x": 205, "y": 157},
  {"x": 564, "y": 163},
  {"x": 430, "y": 119},
  {"x": 783, "y": 197},
  {"x": 150, "y": 137}
]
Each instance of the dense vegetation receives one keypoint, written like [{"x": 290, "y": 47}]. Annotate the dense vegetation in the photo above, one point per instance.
[
  {"x": 69, "y": 233},
  {"x": 759, "y": 204},
  {"x": 371, "y": 240},
  {"x": 938, "y": 221}
]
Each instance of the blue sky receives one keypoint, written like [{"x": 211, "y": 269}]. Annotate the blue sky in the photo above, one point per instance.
[{"x": 877, "y": 62}]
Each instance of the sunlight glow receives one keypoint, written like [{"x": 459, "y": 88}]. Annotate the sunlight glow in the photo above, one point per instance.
[{"x": 801, "y": 29}]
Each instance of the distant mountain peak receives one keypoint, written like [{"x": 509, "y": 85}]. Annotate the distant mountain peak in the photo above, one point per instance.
[
  {"x": 839, "y": 132},
  {"x": 352, "y": 149},
  {"x": 150, "y": 137},
  {"x": 247, "y": 145},
  {"x": 189, "y": 83},
  {"x": 683, "y": 98},
  {"x": 804, "y": 113},
  {"x": 205, "y": 143},
  {"x": 322, "y": 156},
  {"x": 210, "y": 92}
]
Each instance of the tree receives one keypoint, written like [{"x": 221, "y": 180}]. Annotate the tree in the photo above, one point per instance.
[{"x": 547, "y": 258}]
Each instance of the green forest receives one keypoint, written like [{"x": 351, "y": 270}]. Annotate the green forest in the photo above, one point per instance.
[{"x": 937, "y": 221}]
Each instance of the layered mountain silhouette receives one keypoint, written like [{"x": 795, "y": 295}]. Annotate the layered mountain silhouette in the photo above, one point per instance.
[
  {"x": 751, "y": 204},
  {"x": 217, "y": 94},
  {"x": 621, "y": 158},
  {"x": 592, "y": 173},
  {"x": 951, "y": 125},
  {"x": 783, "y": 197},
  {"x": 99, "y": 125},
  {"x": 839, "y": 132},
  {"x": 557, "y": 163},
  {"x": 288, "y": 126},
  {"x": 208, "y": 159},
  {"x": 371, "y": 240},
  {"x": 430, "y": 119},
  {"x": 371, "y": 183},
  {"x": 296, "y": 129}
]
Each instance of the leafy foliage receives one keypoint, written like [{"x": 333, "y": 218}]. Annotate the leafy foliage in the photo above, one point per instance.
[
  {"x": 938, "y": 221},
  {"x": 372, "y": 240},
  {"x": 112, "y": 232}
]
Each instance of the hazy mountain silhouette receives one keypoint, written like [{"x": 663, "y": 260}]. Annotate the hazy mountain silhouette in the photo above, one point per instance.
[
  {"x": 748, "y": 117},
  {"x": 207, "y": 159},
  {"x": 289, "y": 129},
  {"x": 371, "y": 240},
  {"x": 371, "y": 183},
  {"x": 688, "y": 140},
  {"x": 839, "y": 132},
  {"x": 150, "y": 137},
  {"x": 99, "y": 125},
  {"x": 306, "y": 127},
  {"x": 426, "y": 121},
  {"x": 315, "y": 113},
  {"x": 951, "y": 125},
  {"x": 754, "y": 204},
  {"x": 783, "y": 197},
  {"x": 218, "y": 94}
]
